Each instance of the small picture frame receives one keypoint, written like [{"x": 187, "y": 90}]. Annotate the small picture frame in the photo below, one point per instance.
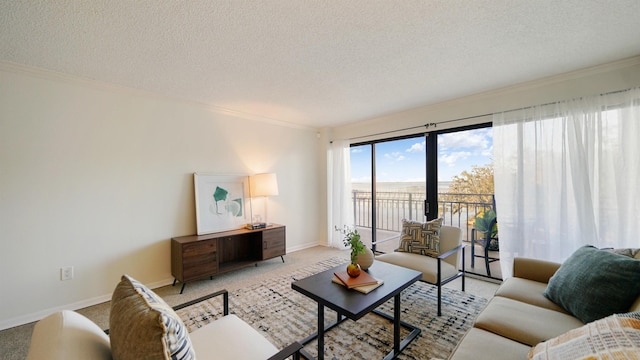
[{"x": 221, "y": 202}]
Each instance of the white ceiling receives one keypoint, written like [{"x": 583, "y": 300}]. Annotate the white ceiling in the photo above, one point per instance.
[{"x": 322, "y": 62}]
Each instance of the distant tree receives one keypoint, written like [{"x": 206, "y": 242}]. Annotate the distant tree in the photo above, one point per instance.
[
  {"x": 478, "y": 181},
  {"x": 475, "y": 186}
]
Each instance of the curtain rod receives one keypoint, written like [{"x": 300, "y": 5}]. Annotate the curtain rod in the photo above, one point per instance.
[
  {"x": 425, "y": 126},
  {"x": 428, "y": 125}
]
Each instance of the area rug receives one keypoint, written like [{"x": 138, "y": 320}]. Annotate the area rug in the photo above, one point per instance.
[{"x": 283, "y": 316}]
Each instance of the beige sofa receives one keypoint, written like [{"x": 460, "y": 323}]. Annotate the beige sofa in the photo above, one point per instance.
[{"x": 519, "y": 316}]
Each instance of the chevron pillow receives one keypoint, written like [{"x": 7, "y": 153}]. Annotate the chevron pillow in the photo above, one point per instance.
[{"x": 420, "y": 238}]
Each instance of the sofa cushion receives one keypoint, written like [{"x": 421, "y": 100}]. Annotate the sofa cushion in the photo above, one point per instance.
[
  {"x": 525, "y": 323},
  {"x": 592, "y": 284},
  {"x": 428, "y": 266},
  {"x": 142, "y": 325},
  {"x": 68, "y": 335},
  {"x": 231, "y": 338},
  {"x": 528, "y": 291},
  {"x": 614, "y": 337},
  {"x": 534, "y": 269},
  {"x": 420, "y": 238},
  {"x": 474, "y": 345}
]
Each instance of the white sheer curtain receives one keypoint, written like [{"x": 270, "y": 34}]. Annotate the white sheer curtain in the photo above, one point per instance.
[
  {"x": 339, "y": 191},
  {"x": 566, "y": 175}
]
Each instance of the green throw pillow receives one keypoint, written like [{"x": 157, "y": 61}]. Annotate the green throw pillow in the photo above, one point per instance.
[{"x": 592, "y": 284}]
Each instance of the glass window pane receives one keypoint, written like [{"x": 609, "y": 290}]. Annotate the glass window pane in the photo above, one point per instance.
[{"x": 465, "y": 189}]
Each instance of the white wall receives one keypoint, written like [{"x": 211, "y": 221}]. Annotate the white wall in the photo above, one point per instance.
[{"x": 100, "y": 178}]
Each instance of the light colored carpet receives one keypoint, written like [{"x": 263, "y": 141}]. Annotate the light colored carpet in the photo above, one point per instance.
[
  {"x": 14, "y": 342},
  {"x": 283, "y": 316}
]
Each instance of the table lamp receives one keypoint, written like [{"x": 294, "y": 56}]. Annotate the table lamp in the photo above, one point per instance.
[{"x": 262, "y": 185}]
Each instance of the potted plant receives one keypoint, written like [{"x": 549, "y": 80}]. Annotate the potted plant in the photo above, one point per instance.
[
  {"x": 483, "y": 222},
  {"x": 352, "y": 240}
]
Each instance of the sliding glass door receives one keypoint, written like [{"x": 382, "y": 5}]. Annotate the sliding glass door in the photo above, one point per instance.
[
  {"x": 361, "y": 191},
  {"x": 388, "y": 182},
  {"x": 447, "y": 174},
  {"x": 465, "y": 193}
]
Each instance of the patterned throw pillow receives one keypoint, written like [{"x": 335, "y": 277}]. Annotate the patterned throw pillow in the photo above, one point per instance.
[
  {"x": 143, "y": 326},
  {"x": 614, "y": 337},
  {"x": 420, "y": 238},
  {"x": 632, "y": 253}
]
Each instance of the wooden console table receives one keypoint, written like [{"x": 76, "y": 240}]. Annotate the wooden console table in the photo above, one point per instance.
[{"x": 195, "y": 257}]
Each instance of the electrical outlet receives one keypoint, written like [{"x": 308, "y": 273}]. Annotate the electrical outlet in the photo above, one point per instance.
[{"x": 66, "y": 273}]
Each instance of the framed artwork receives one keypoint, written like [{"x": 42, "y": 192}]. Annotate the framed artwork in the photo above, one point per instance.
[{"x": 221, "y": 202}]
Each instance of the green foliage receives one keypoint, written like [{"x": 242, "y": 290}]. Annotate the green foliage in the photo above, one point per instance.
[
  {"x": 464, "y": 188},
  {"x": 483, "y": 221},
  {"x": 352, "y": 240}
]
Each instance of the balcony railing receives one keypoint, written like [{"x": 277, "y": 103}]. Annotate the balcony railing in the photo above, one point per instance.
[{"x": 392, "y": 207}]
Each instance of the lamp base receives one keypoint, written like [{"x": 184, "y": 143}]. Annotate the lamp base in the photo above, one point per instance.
[{"x": 256, "y": 226}]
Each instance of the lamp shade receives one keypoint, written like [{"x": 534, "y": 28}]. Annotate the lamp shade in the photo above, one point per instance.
[{"x": 263, "y": 185}]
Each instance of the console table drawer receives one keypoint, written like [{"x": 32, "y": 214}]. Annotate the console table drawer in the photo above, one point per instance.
[
  {"x": 199, "y": 248},
  {"x": 200, "y": 259},
  {"x": 273, "y": 243},
  {"x": 200, "y": 267},
  {"x": 274, "y": 235}
]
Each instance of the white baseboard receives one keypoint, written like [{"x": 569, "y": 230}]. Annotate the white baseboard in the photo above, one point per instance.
[
  {"x": 28, "y": 318},
  {"x": 36, "y": 316},
  {"x": 302, "y": 247}
]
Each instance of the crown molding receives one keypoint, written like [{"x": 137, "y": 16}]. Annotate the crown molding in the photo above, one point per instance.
[
  {"x": 550, "y": 80},
  {"x": 533, "y": 84},
  {"x": 459, "y": 109},
  {"x": 129, "y": 91}
]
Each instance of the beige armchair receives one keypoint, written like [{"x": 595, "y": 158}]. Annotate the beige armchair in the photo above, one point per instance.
[
  {"x": 69, "y": 335},
  {"x": 438, "y": 270}
]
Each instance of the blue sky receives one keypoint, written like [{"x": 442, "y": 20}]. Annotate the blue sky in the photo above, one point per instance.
[{"x": 404, "y": 160}]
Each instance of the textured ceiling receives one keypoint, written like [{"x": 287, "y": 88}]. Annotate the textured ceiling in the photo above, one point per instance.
[{"x": 317, "y": 63}]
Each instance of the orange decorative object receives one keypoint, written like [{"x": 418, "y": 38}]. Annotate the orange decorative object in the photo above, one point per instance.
[{"x": 353, "y": 270}]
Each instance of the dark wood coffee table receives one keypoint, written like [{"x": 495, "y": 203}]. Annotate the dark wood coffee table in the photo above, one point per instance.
[{"x": 353, "y": 305}]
